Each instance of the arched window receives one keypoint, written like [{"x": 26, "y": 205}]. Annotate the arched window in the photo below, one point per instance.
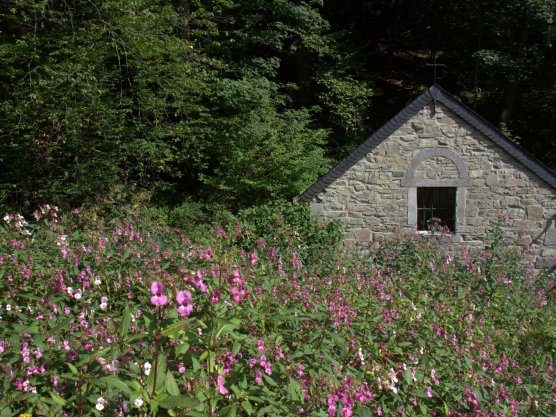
[{"x": 436, "y": 180}]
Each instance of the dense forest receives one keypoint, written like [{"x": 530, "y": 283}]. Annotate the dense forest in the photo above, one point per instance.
[{"x": 237, "y": 102}]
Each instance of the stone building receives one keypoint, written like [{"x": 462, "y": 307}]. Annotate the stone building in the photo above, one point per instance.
[{"x": 439, "y": 162}]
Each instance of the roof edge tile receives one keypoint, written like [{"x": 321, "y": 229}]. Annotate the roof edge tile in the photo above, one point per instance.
[{"x": 433, "y": 93}]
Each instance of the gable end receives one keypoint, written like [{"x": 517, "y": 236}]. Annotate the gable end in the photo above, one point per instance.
[{"x": 432, "y": 95}]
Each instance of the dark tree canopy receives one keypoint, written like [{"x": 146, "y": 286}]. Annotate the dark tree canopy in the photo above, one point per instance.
[{"x": 241, "y": 102}]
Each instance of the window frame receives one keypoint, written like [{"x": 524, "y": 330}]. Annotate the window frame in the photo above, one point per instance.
[
  {"x": 460, "y": 184},
  {"x": 436, "y": 202}
]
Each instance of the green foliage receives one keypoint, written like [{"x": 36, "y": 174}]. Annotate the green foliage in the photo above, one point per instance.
[
  {"x": 231, "y": 102},
  {"x": 291, "y": 226},
  {"x": 258, "y": 150},
  {"x": 348, "y": 102},
  {"x": 269, "y": 332},
  {"x": 97, "y": 95}
]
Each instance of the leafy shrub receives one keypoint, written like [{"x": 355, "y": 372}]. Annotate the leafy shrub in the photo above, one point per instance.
[
  {"x": 130, "y": 317},
  {"x": 291, "y": 226}
]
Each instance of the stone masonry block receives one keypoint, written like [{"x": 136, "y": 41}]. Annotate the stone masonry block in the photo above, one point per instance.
[
  {"x": 491, "y": 180},
  {"x": 362, "y": 235},
  {"x": 546, "y": 262},
  {"x": 550, "y": 235},
  {"x": 535, "y": 212}
]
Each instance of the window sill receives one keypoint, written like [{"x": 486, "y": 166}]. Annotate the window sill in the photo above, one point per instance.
[{"x": 447, "y": 237}]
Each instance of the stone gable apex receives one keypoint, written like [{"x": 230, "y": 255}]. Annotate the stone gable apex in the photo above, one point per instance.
[{"x": 435, "y": 94}]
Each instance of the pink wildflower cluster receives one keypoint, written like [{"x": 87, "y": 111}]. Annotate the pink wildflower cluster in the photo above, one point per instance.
[
  {"x": 346, "y": 397},
  {"x": 197, "y": 281},
  {"x": 185, "y": 303},
  {"x": 18, "y": 221},
  {"x": 184, "y": 299},
  {"x": 237, "y": 291},
  {"x": 158, "y": 298}
]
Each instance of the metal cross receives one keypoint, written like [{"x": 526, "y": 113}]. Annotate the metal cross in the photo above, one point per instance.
[{"x": 435, "y": 65}]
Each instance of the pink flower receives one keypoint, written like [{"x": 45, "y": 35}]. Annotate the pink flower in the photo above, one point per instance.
[
  {"x": 236, "y": 278},
  {"x": 181, "y": 368},
  {"x": 220, "y": 384},
  {"x": 158, "y": 298},
  {"x": 183, "y": 297},
  {"x": 346, "y": 412},
  {"x": 268, "y": 369},
  {"x": 185, "y": 311},
  {"x": 198, "y": 281},
  {"x": 185, "y": 302},
  {"x": 215, "y": 297}
]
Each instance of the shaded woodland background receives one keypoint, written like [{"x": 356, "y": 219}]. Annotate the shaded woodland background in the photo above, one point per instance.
[{"x": 236, "y": 103}]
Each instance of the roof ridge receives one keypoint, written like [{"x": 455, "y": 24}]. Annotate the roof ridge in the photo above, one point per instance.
[{"x": 432, "y": 94}]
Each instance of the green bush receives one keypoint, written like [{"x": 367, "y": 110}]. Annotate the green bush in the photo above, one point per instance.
[{"x": 132, "y": 317}]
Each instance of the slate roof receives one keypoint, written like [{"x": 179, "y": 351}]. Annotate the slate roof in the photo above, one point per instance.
[{"x": 434, "y": 94}]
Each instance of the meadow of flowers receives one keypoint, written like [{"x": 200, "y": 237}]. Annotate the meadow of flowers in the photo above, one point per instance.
[{"x": 131, "y": 317}]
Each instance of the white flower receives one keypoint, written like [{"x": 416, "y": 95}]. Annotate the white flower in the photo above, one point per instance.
[
  {"x": 78, "y": 295},
  {"x": 392, "y": 376},
  {"x": 97, "y": 280},
  {"x": 6, "y": 218},
  {"x": 138, "y": 402},
  {"x": 100, "y": 404},
  {"x": 147, "y": 368},
  {"x": 8, "y": 307},
  {"x": 69, "y": 290}
]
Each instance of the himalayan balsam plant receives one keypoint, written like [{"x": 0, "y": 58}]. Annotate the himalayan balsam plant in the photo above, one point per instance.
[{"x": 130, "y": 318}]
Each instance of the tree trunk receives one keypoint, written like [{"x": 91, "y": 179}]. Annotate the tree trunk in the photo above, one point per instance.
[
  {"x": 186, "y": 29},
  {"x": 476, "y": 68},
  {"x": 510, "y": 92}
]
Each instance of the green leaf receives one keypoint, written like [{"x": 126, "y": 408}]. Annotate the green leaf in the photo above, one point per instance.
[
  {"x": 247, "y": 407},
  {"x": 222, "y": 328},
  {"x": 58, "y": 399},
  {"x": 181, "y": 402},
  {"x": 294, "y": 389},
  {"x": 125, "y": 323},
  {"x": 408, "y": 376},
  {"x": 182, "y": 349},
  {"x": 175, "y": 328},
  {"x": 228, "y": 411},
  {"x": 446, "y": 409},
  {"x": 114, "y": 382},
  {"x": 363, "y": 412},
  {"x": 171, "y": 385},
  {"x": 160, "y": 373},
  {"x": 72, "y": 368},
  {"x": 195, "y": 363},
  {"x": 269, "y": 380}
]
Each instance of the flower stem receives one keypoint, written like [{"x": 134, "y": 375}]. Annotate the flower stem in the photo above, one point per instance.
[{"x": 156, "y": 348}]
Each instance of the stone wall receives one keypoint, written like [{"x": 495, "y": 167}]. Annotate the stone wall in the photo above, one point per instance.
[
  {"x": 374, "y": 199},
  {"x": 437, "y": 167}
]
